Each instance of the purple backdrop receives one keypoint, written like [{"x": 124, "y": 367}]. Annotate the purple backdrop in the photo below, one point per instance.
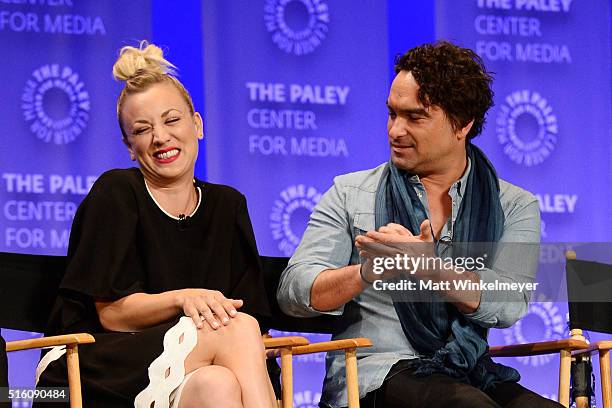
[
  {"x": 59, "y": 122},
  {"x": 294, "y": 95},
  {"x": 549, "y": 132}
]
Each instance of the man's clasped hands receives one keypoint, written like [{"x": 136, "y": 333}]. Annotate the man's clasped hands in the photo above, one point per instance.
[{"x": 389, "y": 241}]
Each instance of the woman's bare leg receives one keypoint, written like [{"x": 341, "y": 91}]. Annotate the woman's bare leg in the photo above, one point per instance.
[
  {"x": 239, "y": 348},
  {"x": 212, "y": 386}
]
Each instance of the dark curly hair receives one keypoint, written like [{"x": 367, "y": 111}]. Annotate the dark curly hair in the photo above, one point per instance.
[{"x": 452, "y": 78}]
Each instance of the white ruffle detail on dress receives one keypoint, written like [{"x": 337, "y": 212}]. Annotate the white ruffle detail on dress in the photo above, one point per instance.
[
  {"x": 167, "y": 372},
  {"x": 52, "y": 355}
]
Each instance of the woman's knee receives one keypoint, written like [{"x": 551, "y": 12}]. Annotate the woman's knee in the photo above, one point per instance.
[
  {"x": 241, "y": 334},
  {"x": 247, "y": 323},
  {"x": 244, "y": 327},
  {"x": 210, "y": 385}
]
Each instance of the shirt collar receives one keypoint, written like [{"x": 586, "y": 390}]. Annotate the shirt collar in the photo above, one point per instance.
[{"x": 459, "y": 185}]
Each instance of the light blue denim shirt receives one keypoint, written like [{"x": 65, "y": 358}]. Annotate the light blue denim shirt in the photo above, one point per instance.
[{"x": 347, "y": 210}]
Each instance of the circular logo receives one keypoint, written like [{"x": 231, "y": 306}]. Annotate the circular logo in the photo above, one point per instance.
[
  {"x": 306, "y": 399},
  {"x": 290, "y": 216},
  {"x": 526, "y": 127},
  {"x": 543, "y": 322},
  {"x": 55, "y": 103},
  {"x": 297, "y": 26}
]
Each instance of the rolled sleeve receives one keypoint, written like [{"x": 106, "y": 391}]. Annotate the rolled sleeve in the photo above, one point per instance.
[
  {"x": 327, "y": 244},
  {"x": 516, "y": 260},
  {"x": 498, "y": 309}
]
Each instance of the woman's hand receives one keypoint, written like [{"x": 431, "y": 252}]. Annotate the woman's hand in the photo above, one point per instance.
[{"x": 209, "y": 305}]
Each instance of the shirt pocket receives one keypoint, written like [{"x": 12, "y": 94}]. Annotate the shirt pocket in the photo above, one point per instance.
[{"x": 363, "y": 223}]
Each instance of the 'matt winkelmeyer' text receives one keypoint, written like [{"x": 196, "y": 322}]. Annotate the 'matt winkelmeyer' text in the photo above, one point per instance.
[{"x": 458, "y": 285}]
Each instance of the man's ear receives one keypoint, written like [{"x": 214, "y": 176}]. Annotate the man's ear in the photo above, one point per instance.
[
  {"x": 199, "y": 123},
  {"x": 129, "y": 147},
  {"x": 463, "y": 132}
]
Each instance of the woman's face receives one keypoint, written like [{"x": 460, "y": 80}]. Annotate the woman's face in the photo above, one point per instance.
[{"x": 161, "y": 133}]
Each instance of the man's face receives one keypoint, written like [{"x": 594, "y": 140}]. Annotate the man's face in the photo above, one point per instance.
[{"x": 422, "y": 139}]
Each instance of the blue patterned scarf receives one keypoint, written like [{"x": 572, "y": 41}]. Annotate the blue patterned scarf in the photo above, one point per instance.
[{"x": 447, "y": 340}]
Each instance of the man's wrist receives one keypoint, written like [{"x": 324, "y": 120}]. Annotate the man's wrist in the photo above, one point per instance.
[{"x": 363, "y": 277}]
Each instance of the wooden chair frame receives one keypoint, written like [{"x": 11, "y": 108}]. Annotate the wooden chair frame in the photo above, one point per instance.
[
  {"x": 350, "y": 354},
  {"x": 72, "y": 342},
  {"x": 603, "y": 350},
  {"x": 563, "y": 347},
  {"x": 283, "y": 347},
  {"x": 567, "y": 348}
]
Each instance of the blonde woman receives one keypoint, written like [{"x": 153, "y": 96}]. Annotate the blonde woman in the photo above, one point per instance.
[{"x": 151, "y": 244}]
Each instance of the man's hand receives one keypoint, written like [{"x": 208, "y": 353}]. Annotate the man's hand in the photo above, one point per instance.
[{"x": 389, "y": 241}]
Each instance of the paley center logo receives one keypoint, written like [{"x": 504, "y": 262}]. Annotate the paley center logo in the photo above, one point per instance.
[
  {"x": 526, "y": 127},
  {"x": 290, "y": 215},
  {"x": 306, "y": 399},
  {"x": 543, "y": 322},
  {"x": 56, "y": 104},
  {"x": 297, "y": 26}
]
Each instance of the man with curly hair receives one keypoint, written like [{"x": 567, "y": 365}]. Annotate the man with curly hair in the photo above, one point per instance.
[{"x": 437, "y": 189}]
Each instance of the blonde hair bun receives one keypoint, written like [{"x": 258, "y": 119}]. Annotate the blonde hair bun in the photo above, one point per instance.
[{"x": 134, "y": 61}]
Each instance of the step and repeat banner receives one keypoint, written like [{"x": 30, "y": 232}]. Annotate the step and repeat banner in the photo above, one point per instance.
[
  {"x": 58, "y": 121},
  {"x": 295, "y": 94},
  {"x": 549, "y": 132}
]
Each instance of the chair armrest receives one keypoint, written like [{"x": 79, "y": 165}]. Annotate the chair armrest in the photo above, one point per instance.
[
  {"x": 66, "y": 339},
  {"x": 604, "y": 345},
  {"x": 326, "y": 346},
  {"x": 288, "y": 341},
  {"x": 598, "y": 346},
  {"x": 534, "y": 349}
]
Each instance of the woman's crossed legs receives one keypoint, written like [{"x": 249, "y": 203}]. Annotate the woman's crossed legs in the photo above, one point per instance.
[{"x": 231, "y": 368}]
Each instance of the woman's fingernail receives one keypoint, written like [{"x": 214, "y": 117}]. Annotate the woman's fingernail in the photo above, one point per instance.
[
  {"x": 225, "y": 320},
  {"x": 215, "y": 325},
  {"x": 233, "y": 312}
]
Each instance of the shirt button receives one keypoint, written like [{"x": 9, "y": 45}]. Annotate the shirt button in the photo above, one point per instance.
[{"x": 420, "y": 194}]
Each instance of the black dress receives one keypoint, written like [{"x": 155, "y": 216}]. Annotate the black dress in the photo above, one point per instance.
[{"x": 122, "y": 243}]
